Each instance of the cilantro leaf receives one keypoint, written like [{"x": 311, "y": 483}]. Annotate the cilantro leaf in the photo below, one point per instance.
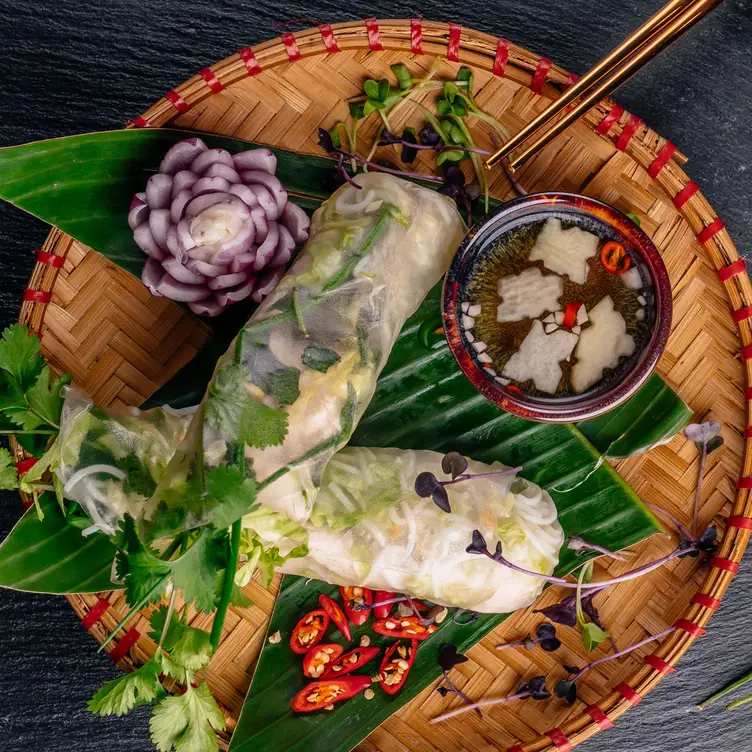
[
  {"x": 189, "y": 647},
  {"x": 44, "y": 398},
  {"x": 8, "y": 476},
  {"x": 194, "y": 571},
  {"x": 319, "y": 358},
  {"x": 142, "y": 572},
  {"x": 187, "y": 723},
  {"x": 233, "y": 412},
  {"x": 271, "y": 375},
  {"x": 121, "y": 695},
  {"x": 262, "y": 426},
  {"x": 234, "y": 495},
  {"x": 138, "y": 479},
  {"x": 20, "y": 355},
  {"x": 238, "y": 598},
  {"x": 592, "y": 635}
]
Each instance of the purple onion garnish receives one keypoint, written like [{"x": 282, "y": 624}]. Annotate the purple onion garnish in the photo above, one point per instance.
[{"x": 217, "y": 228}]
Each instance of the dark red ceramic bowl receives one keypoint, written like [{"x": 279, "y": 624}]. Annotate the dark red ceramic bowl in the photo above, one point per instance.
[{"x": 609, "y": 224}]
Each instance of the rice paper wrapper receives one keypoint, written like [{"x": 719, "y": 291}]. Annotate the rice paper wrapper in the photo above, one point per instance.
[
  {"x": 293, "y": 385},
  {"x": 368, "y": 527}
]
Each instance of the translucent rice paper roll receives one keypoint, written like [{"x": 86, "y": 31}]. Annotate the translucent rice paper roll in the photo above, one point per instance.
[
  {"x": 310, "y": 355},
  {"x": 369, "y": 528}
]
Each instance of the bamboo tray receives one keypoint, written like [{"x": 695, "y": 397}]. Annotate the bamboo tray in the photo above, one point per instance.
[{"x": 120, "y": 344}]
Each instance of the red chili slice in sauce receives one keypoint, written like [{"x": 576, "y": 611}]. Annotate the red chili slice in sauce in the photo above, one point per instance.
[
  {"x": 570, "y": 314},
  {"x": 319, "y": 658},
  {"x": 355, "y": 596},
  {"x": 350, "y": 662},
  {"x": 321, "y": 694},
  {"x": 336, "y": 614},
  {"x": 381, "y": 612},
  {"x": 404, "y": 627},
  {"x": 309, "y": 631},
  {"x": 396, "y": 666},
  {"x": 615, "y": 258}
]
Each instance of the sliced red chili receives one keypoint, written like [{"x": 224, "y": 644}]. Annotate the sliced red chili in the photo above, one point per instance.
[
  {"x": 404, "y": 627},
  {"x": 570, "y": 314},
  {"x": 350, "y": 662},
  {"x": 336, "y": 614},
  {"x": 381, "y": 612},
  {"x": 321, "y": 694},
  {"x": 396, "y": 666},
  {"x": 319, "y": 658},
  {"x": 615, "y": 257},
  {"x": 309, "y": 631},
  {"x": 357, "y": 596}
]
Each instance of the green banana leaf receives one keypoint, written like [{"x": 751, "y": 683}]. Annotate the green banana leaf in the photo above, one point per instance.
[
  {"x": 423, "y": 401},
  {"x": 650, "y": 418},
  {"x": 51, "y": 556}
]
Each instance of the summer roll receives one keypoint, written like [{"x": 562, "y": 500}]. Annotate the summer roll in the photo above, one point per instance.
[
  {"x": 369, "y": 528},
  {"x": 293, "y": 385}
]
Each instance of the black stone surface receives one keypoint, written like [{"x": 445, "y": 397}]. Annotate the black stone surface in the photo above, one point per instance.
[{"x": 68, "y": 66}]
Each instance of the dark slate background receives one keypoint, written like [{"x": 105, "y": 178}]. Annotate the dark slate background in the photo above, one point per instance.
[{"x": 68, "y": 66}]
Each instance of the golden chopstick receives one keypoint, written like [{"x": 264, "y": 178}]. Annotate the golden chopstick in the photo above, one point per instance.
[{"x": 649, "y": 40}]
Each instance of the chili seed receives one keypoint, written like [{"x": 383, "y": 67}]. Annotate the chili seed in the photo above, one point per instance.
[
  {"x": 353, "y": 659},
  {"x": 336, "y": 668},
  {"x": 369, "y": 694},
  {"x": 411, "y": 631},
  {"x": 365, "y": 641},
  {"x": 357, "y": 591},
  {"x": 404, "y": 665},
  {"x": 313, "y": 697},
  {"x": 328, "y": 651},
  {"x": 390, "y": 625},
  {"x": 275, "y": 638},
  {"x": 405, "y": 623},
  {"x": 402, "y": 651},
  {"x": 330, "y": 706}
]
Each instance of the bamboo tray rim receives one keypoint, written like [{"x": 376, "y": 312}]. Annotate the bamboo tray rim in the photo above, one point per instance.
[{"x": 655, "y": 154}]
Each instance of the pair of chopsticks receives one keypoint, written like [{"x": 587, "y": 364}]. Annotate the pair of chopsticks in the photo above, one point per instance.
[{"x": 667, "y": 25}]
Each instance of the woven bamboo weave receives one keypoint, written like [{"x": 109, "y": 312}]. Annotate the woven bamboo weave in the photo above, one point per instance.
[{"x": 99, "y": 323}]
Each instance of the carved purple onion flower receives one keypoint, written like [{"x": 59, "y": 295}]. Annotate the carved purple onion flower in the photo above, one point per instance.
[{"x": 217, "y": 228}]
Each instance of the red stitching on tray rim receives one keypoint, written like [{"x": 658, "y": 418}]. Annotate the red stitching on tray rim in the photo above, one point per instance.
[
  {"x": 661, "y": 160},
  {"x": 516, "y": 748},
  {"x": 23, "y": 466},
  {"x": 539, "y": 77},
  {"x": 718, "y": 562},
  {"x": 744, "y": 481},
  {"x": 95, "y": 614},
  {"x": 737, "y": 267},
  {"x": 416, "y": 36},
  {"x": 627, "y": 132},
  {"x": 748, "y": 435},
  {"x": 141, "y": 122},
  {"x": 36, "y": 296},
  {"x": 603, "y": 721},
  {"x": 659, "y": 665},
  {"x": 291, "y": 46},
  {"x": 710, "y": 231},
  {"x": 741, "y": 314},
  {"x": 327, "y": 36},
  {"x": 739, "y": 521},
  {"x": 572, "y": 79},
  {"x": 50, "y": 259},
  {"x": 746, "y": 353},
  {"x": 628, "y": 693},
  {"x": 685, "y": 625},
  {"x": 703, "y": 599},
  {"x": 502, "y": 57},
  {"x": 176, "y": 101},
  {"x": 251, "y": 63},
  {"x": 557, "y": 737},
  {"x": 453, "y": 45},
  {"x": 129, "y": 640},
  {"x": 685, "y": 194},
  {"x": 612, "y": 117},
  {"x": 211, "y": 80},
  {"x": 374, "y": 35}
]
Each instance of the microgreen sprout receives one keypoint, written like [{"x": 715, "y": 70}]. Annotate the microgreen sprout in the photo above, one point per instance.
[
  {"x": 448, "y": 658},
  {"x": 707, "y": 439},
  {"x": 577, "y": 543},
  {"x": 428, "y": 485},
  {"x": 567, "y": 688},
  {"x": 545, "y": 637},
  {"x": 534, "y": 688}
]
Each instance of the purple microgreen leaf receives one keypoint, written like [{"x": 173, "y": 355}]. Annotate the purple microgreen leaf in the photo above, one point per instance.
[
  {"x": 325, "y": 141},
  {"x": 535, "y": 688},
  {"x": 714, "y": 443},
  {"x": 571, "y": 669},
  {"x": 453, "y": 464},
  {"x": 478, "y": 545},
  {"x": 566, "y": 689},
  {"x": 427, "y": 485},
  {"x": 545, "y": 631},
  {"x": 550, "y": 645},
  {"x": 448, "y": 657},
  {"x": 701, "y": 433},
  {"x": 409, "y": 153},
  {"x": 472, "y": 191},
  {"x": 428, "y": 136},
  {"x": 387, "y": 138},
  {"x": 564, "y": 612},
  {"x": 443, "y": 691}
]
